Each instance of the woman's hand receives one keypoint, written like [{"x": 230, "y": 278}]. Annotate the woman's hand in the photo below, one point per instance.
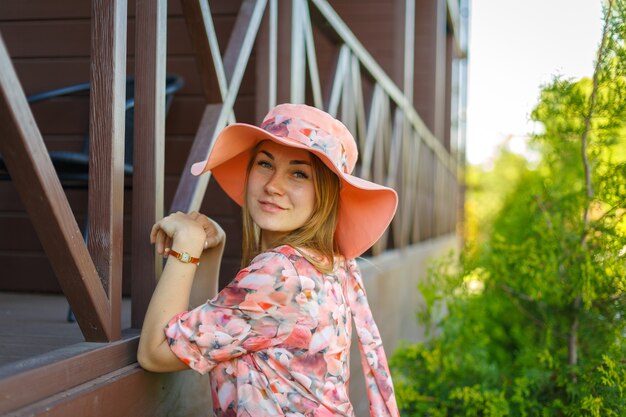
[
  {"x": 189, "y": 230},
  {"x": 193, "y": 233}
]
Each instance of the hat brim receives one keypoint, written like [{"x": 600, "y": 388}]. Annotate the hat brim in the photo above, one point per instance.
[{"x": 365, "y": 208}]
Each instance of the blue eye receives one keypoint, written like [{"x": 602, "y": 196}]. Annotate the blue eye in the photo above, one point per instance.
[
  {"x": 300, "y": 174},
  {"x": 264, "y": 164}
]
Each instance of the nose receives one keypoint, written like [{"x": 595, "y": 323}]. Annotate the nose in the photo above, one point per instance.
[{"x": 274, "y": 185}]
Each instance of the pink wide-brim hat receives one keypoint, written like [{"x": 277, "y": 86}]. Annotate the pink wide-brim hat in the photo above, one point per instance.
[{"x": 365, "y": 208}]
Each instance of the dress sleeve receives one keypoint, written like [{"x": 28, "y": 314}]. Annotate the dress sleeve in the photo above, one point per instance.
[
  {"x": 373, "y": 359},
  {"x": 257, "y": 310}
]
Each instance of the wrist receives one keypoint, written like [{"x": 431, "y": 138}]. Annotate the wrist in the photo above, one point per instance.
[{"x": 184, "y": 257}]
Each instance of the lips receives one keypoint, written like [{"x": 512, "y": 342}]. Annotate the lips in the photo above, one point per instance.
[{"x": 270, "y": 207}]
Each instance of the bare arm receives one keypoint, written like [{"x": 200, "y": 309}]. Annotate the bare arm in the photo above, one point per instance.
[
  {"x": 205, "y": 282},
  {"x": 184, "y": 233}
]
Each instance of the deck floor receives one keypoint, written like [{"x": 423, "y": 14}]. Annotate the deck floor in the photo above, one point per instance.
[{"x": 33, "y": 324}]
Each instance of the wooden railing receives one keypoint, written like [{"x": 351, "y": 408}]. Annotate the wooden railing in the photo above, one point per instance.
[
  {"x": 91, "y": 282},
  {"x": 396, "y": 148}
]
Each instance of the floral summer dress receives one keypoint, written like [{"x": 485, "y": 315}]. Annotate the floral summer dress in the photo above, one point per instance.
[{"x": 276, "y": 340}]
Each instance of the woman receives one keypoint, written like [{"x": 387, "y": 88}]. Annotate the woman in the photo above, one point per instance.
[{"x": 276, "y": 340}]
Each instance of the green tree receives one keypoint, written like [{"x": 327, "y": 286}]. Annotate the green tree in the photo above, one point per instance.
[{"x": 536, "y": 306}]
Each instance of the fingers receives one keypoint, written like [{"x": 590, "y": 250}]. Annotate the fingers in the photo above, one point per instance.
[
  {"x": 211, "y": 229},
  {"x": 201, "y": 219},
  {"x": 163, "y": 231},
  {"x": 215, "y": 235},
  {"x": 160, "y": 238},
  {"x": 168, "y": 244},
  {"x": 161, "y": 242},
  {"x": 153, "y": 233}
]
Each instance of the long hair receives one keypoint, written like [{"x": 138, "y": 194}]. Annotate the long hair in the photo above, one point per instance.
[{"x": 317, "y": 234}]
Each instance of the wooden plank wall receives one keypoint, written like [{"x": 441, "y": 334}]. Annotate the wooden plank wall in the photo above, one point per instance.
[
  {"x": 49, "y": 43},
  {"x": 374, "y": 23}
]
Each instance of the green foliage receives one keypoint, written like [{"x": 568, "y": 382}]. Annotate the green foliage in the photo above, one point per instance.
[
  {"x": 487, "y": 193},
  {"x": 535, "y": 306}
]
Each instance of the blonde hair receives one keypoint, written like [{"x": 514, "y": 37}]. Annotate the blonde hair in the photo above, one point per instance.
[{"x": 317, "y": 234}]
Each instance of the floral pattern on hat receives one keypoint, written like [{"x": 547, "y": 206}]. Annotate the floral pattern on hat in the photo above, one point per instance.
[
  {"x": 310, "y": 135},
  {"x": 276, "y": 340}
]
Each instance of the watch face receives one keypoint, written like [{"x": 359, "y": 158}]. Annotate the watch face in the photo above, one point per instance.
[{"x": 185, "y": 257}]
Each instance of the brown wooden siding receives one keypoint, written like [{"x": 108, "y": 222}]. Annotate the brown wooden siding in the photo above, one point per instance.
[
  {"x": 373, "y": 23},
  {"x": 49, "y": 45},
  {"x": 430, "y": 59}
]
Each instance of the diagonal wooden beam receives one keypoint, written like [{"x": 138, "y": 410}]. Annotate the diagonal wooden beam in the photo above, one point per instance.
[
  {"x": 242, "y": 39},
  {"x": 31, "y": 169},
  {"x": 201, "y": 29},
  {"x": 190, "y": 190}
]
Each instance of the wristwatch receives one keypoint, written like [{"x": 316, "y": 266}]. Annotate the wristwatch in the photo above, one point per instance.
[{"x": 184, "y": 257}]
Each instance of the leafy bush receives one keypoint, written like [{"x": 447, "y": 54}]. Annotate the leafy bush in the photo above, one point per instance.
[{"x": 535, "y": 306}]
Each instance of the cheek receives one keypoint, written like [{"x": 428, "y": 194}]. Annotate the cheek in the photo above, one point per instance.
[
  {"x": 308, "y": 199},
  {"x": 252, "y": 183}
]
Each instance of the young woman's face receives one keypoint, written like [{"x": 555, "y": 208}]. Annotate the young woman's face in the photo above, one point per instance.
[{"x": 281, "y": 192}]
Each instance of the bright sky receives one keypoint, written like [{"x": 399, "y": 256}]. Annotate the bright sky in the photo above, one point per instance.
[{"x": 515, "y": 47}]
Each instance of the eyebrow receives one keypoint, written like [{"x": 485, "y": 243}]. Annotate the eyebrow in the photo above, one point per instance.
[{"x": 292, "y": 162}]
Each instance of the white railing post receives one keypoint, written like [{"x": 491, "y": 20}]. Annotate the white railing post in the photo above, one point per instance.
[
  {"x": 297, "y": 53},
  {"x": 311, "y": 57},
  {"x": 273, "y": 54}
]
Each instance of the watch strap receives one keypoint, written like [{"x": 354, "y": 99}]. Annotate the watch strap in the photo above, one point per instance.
[{"x": 184, "y": 257}]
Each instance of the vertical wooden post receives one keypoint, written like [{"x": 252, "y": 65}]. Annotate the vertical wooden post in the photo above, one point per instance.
[
  {"x": 283, "y": 54},
  {"x": 31, "y": 170},
  {"x": 421, "y": 209},
  {"x": 430, "y": 181},
  {"x": 106, "y": 152},
  {"x": 150, "y": 58},
  {"x": 409, "y": 50},
  {"x": 267, "y": 65},
  {"x": 408, "y": 82},
  {"x": 273, "y": 54},
  {"x": 450, "y": 94}
]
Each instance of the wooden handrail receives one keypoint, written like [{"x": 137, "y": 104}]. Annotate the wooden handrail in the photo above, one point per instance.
[
  {"x": 22, "y": 383},
  {"x": 375, "y": 135}
]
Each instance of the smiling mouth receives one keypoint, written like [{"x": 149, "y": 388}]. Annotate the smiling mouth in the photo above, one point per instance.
[{"x": 270, "y": 207}]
